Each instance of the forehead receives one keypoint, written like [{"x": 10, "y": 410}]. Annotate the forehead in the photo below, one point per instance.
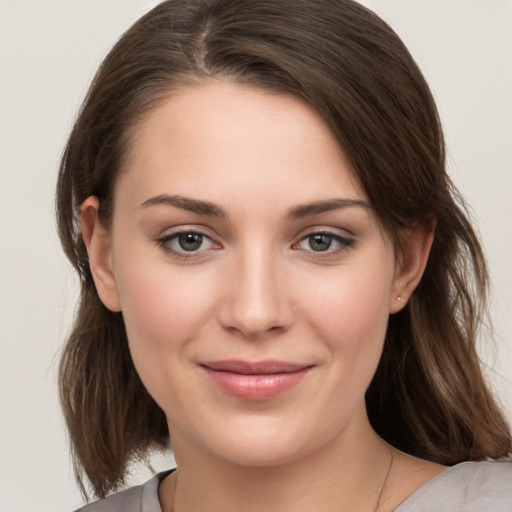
[{"x": 220, "y": 137}]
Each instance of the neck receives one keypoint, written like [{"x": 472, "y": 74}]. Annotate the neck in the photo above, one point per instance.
[{"x": 345, "y": 474}]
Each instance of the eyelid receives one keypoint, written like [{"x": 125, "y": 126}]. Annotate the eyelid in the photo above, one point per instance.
[
  {"x": 326, "y": 230},
  {"x": 163, "y": 240},
  {"x": 345, "y": 241}
]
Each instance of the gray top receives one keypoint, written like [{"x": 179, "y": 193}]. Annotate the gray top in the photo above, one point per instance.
[{"x": 466, "y": 487}]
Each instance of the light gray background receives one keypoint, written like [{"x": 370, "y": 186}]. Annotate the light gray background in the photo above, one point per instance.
[{"x": 49, "y": 50}]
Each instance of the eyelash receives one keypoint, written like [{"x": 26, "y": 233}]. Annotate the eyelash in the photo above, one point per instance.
[
  {"x": 345, "y": 243},
  {"x": 164, "y": 241}
]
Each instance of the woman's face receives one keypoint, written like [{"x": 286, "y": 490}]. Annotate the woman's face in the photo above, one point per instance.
[{"x": 253, "y": 277}]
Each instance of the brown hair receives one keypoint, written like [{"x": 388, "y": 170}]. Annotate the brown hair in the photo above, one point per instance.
[{"x": 428, "y": 397}]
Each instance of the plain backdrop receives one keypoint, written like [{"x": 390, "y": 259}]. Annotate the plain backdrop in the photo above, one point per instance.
[{"x": 49, "y": 50}]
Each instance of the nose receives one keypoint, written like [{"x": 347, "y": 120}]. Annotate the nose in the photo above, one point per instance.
[{"x": 256, "y": 300}]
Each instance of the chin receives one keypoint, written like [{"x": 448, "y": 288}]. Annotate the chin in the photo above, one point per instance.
[
  {"x": 265, "y": 441},
  {"x": 263, "y": 452}
]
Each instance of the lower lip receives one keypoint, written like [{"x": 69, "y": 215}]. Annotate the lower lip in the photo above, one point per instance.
[{"x": 256, "y": 387}]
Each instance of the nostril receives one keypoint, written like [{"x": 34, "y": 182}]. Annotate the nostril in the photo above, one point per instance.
[{"x": 255, "y": 301}]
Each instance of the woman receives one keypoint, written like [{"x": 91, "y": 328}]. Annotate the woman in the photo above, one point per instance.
[{"x": 277, "y": 275}]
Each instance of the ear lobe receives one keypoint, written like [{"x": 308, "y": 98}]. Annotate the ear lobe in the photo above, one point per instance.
[
  {"x": 99, "y": 251},
  {"x": 415, "y": 245}
]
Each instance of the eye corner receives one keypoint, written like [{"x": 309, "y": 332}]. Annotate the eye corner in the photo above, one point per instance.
[
  {"x": 174, "y": 244},
  {"x": 322, "y": 247}
]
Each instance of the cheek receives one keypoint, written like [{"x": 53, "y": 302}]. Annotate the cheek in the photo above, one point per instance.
[
  {"x": 164, "y": 308},
  {"x": 160, "y": 309},
  {"x": 353, "y": 306},
  {"x": 349, "y": 312}
]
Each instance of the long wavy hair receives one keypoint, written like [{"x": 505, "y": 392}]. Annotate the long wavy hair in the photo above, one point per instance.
[{"x": 428, "y": 397}]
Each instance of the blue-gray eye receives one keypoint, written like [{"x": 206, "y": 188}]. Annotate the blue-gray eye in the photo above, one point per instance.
[
  {"x": 190, "y": 241},
  {"x": 187, "y": 244},
  {"x": 320, "y": 242},
  {"x": 325, "y": 242}
]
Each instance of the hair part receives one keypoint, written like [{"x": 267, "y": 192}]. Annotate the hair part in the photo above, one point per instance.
[{"x": 428, "y": 397}]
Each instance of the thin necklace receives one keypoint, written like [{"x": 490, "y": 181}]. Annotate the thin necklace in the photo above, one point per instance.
[
  {"x": 377, "y": 505},
  {"x": 384, "y": 482}
]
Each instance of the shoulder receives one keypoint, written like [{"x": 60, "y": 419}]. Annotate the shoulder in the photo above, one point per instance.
[
  {"x": 140, "y": 498},
  {"x": 466, "y": 487}
]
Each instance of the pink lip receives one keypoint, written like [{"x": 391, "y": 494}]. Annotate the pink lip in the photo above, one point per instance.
[{"x": 255, "y": 380}]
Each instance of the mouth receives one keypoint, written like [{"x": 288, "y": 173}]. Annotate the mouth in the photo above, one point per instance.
[{"x": 255, "y": 381}]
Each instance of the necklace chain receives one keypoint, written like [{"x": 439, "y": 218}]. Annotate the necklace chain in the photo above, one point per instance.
[
  {"x": 377, "y": 505},
  {"x": 384, "y": 482}
]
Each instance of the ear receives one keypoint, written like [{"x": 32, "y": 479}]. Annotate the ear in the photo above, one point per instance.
[
  {"x": 415, "y": 245},
  {"x": 98, "y": 245}
]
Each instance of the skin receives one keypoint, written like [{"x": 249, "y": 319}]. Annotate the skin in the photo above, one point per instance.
[{"x": 256, "y": 289}]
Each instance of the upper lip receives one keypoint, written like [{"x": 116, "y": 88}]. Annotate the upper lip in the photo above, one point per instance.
[{"x": 254, "y": 367}]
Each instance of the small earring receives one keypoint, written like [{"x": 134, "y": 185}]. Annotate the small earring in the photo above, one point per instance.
[{"x": 399, "y": 299}]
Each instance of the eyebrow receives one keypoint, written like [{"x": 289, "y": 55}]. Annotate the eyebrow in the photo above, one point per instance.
[
  {"x": 318, "y": 207},
  {"x": 213, "y": 210},
  {"x": 186, "y": 203}
]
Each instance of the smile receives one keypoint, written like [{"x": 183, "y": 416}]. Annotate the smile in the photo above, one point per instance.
[{"x": 255, "y": 381}]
